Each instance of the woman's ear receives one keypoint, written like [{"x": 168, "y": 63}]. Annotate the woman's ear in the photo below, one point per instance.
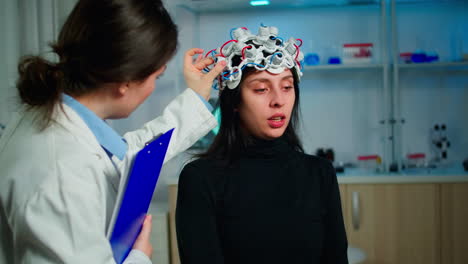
[{"x": 123, "y": 89}]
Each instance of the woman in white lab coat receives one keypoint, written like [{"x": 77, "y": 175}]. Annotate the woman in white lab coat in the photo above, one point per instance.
[{"x": 61, "y": 164}]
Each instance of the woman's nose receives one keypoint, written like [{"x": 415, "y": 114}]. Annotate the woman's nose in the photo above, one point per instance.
[{"x": 277, "y": 99}]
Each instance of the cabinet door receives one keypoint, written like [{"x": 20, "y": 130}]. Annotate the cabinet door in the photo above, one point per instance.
[
  {"x": 395, "y": 223},
  {"x": 454, "y": 223}
]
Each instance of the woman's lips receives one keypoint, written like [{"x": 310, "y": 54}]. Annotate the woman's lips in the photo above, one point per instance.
[{"x": 277, "y": 121}]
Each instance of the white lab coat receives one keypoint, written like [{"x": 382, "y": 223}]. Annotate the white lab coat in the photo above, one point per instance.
[{"x": 58, "y": 187}]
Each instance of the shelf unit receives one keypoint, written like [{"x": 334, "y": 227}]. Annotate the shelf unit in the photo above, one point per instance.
[
  {"x": 387, "y": 67},
  {"x": 342, "y": 67},
  {"x": 435, "y": 65},
  {"x": 379, "y": 15},
  {"x": 439, "y": 69}
]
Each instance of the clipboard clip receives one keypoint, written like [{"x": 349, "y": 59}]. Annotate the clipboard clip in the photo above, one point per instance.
[{"x": 153, "y": 139}]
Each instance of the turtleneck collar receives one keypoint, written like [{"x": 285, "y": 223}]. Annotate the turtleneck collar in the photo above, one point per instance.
[{"x": 266, "y": 149}]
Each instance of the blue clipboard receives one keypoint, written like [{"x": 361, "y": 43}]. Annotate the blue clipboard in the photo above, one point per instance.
[{"x": 141, "y": 182}]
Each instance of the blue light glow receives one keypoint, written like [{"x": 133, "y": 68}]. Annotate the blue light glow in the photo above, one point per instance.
[{"x": 259, "y": 2}]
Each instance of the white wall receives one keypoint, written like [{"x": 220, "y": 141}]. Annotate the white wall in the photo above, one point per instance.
[
  {"x": 8, "y": 56},
  {"x": 27, "y": 27}
]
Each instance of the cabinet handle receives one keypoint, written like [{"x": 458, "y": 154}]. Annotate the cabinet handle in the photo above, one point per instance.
[{"x": 356, "y": 220}]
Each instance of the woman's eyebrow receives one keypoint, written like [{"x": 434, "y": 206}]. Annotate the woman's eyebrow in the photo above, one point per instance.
[
  {"x": 258, "y": 80},
  {"x": 268, "y": 80}
]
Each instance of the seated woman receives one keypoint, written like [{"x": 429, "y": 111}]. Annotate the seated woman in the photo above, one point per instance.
[{"x": 255, "y": 196}]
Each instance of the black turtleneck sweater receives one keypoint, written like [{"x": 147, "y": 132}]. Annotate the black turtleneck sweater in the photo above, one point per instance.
[{"x": 274, "y": 205}]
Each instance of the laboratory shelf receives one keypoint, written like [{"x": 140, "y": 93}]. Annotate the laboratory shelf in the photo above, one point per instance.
[
  {"x": 342, "y": 67},
  {"x": 435, "y": 65},
  {"x": 438, "y": 2},
  {"x": 373, "y": 67}
]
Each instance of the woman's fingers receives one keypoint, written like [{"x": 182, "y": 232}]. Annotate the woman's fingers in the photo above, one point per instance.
[
  {"x": 146, "y": 229},
  {"x": 198, "y": 59},
  {"x": 143, "y": 241},
  {"x": 217, "y": 69},
  {"x": 195, "y": 78},
  {"x": 200, "y": 65},
  {"x": 188, "y": 58}
]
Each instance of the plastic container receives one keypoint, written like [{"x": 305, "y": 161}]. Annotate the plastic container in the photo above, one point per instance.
[
  {"x": 432, "y": 56},
  {"x": 370, "y": 162},
  {"x": 416, "y": 160},
  {"x": 311, "y": 59},
  {"x": 419, "y": 56},
  {"x": 357, "y": 53},
  {"x": 334, "y": 60},
  {"x": 405, "y": 57},
  {"x": 332, "y": 54}
]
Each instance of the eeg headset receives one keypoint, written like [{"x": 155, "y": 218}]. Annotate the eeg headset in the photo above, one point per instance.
[{"x": 264, "y": 51}]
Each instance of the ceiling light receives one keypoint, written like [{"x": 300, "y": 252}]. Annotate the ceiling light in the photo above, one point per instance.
[{"x": 259, "y": 2}]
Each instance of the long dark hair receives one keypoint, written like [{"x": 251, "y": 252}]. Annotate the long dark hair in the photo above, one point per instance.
[
  {"x": 231, "y": 139},
  {"x": 102, "y": 41}
]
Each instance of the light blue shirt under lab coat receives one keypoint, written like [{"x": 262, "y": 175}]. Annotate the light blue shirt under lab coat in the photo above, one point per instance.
[{"x": 110, "y": 140}]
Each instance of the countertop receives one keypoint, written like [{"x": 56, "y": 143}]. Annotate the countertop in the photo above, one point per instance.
[
  {"x": 440, "y": 175},
  {"x": 359, "y": 176}
]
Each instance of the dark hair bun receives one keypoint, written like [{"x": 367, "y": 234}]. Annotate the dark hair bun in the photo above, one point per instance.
[{"x": 37, "y": 81}]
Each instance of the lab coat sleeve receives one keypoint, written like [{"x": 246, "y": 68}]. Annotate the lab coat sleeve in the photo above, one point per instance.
[
  {"x": 187, "y": 114},
  {"x": 137, "y": 257}
]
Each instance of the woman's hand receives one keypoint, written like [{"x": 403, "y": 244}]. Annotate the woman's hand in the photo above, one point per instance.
[
  {"x": 198, "y": 81},
  {"x": 143, "y": 242}
]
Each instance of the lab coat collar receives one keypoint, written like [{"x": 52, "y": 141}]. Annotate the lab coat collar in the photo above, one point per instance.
[{"x": 112, "y": 142}]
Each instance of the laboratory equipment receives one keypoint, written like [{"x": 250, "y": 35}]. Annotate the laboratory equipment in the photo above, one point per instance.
[
  {"x": 440, "y": 142},
  {"x": 370, "y": 162},
  {"x": 311, "y": 59},
  {"x": 357, "y": 53},
  {"x": 419, "y": 56},
  {"x": 416, "y": 160},
  {"x": 405, "y": 57}
]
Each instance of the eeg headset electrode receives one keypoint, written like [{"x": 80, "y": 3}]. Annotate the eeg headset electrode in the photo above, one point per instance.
[{"x": 264, "y": 51}]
